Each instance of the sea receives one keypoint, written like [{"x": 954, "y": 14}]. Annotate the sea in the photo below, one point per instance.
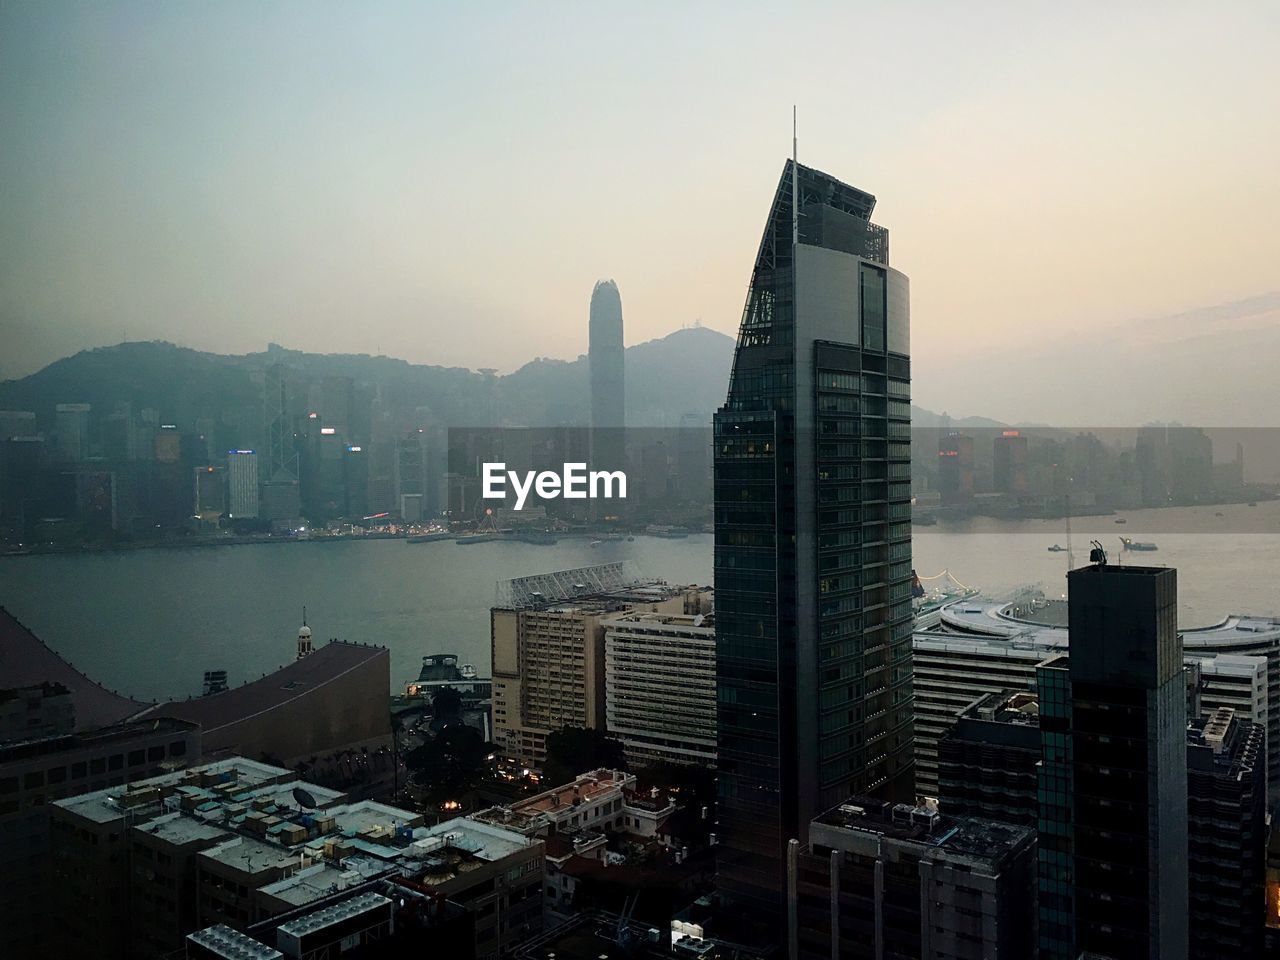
[{"x": 149, "y": 623}]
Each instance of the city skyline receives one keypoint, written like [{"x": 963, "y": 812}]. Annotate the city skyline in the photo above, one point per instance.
[{"x": 314, "y": 212}]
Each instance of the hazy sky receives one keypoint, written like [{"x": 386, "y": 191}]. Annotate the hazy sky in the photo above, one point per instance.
[{"x": 446, "y": 182}]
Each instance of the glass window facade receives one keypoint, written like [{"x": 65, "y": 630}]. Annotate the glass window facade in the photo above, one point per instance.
[{"x": 812, "y": 543}]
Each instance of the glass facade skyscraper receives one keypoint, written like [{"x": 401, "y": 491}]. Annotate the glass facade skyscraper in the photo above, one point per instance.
[{"x": 812, "y": 533}]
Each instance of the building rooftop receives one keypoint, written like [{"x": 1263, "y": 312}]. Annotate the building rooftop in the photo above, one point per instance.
[
  {"x": 226, "y": 942},
  {"x": 991, "y": 618},
  {"x": 967, "y": 837},
  {"x": 25, "y": 661},
  {"x": 193, "y": 785},
  {"x": 98, "y": 739},
  {"x": 586, "y": 788},
  {"x": 180, "y": 829},
  {"x": 296, "y": 679},
  {"x": 337, "y": 913}
]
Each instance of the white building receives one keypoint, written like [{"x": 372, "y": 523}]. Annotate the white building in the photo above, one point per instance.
[
  {"x": 660, "y": 687},
  {"x": 242, "y": 484},
  {"x": 980, "y": 647}
]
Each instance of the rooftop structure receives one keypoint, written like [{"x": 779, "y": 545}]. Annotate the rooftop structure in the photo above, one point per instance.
[
  {"x": 241, "y": 839},
  {"x": 331, "y": 699},
  {"x": 925, "y": 828},
  {"x": 982, "y": 645},
  {"x": 25, "y": 661},
  {"x": 567, "y": 584},
  {"x": 223, "y": 941}
]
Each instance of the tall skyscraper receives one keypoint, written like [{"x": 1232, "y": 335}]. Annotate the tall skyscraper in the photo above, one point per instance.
[
  {"x": 282, "y": 448},
  {"x": 812, "y": 534},
  {"x": 71, "y": 422},
  {"x": 1128, "y": 763},
  {"x": 606, "y": 359},
  {"x": 242, "y": 484}
]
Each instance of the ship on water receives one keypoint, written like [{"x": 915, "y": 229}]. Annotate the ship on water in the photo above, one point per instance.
[{"x": 1137, "y": 545}]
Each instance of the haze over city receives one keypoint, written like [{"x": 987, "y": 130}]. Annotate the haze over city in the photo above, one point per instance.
[{"x": 1079, "y": 183}]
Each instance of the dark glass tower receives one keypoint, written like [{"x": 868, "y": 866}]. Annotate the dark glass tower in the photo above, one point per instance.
[
  {"x": 1128, "y": 763},
  {"x": 813, "y": 535},
  {"x": 605, "y": 357}
]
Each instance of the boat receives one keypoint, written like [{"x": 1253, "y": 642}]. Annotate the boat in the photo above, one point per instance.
[
  {"x": 1057, "y": 548},
  {"x": 474, "y": 538},
  {"x": 1137, "y": 545},
  {"x": 1253, "y": 503},
  {"x": 631, "y": 539},
  {"x": 596, "y": 543},
  {"x": 1121, "y": 520},
  {"x": 430, "y": 537},
  {"x": 1217, "y": 513}
]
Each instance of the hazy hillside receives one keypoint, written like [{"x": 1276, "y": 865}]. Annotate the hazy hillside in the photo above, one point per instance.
[{"x": 684, "y": 372}]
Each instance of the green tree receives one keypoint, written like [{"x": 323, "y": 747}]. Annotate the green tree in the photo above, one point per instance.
[{"x": 575, "y": 750}]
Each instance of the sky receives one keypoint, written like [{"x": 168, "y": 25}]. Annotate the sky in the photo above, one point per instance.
[{"x": 445, "y": 183}]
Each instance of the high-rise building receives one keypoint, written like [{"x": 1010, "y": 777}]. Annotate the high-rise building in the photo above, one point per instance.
[
  {"x": 71, "y": 424},
  {"x": 987, "y": 761},
  {"x": 1010, "y": 459},
  {"x": 812, "y": 533},
  {"x": 282, "y": 449},
  {"x": 660, "y": 686},
  {"x": 981, "y": 647},
  {"x": 955, "y": 468},
  {"x": 882, "y": 881},
  {"x": 242, "y": 484},
  {"x": 606, "y": 359},
  {"x": 210, "y": 492},
  {"x": 549, "y": 650},
  {"x": 1226, "y": 806},
  {"x": 17, "y": 423},
  {"x": 1128, "y": 762}
]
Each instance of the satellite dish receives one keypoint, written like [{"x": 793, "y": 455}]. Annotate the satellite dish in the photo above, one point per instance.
[
  {"x": 305, "y": 800},
  {"x": 697, "y": 621}
]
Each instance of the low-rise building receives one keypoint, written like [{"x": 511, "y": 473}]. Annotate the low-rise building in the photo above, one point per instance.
[{"x": 236, "y": 843}]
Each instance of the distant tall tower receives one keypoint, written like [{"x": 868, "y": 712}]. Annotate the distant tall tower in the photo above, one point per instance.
[
  {"x": 305, "y": 649},
  {"x": 608, "y": 375},
  {"x": 282, "y": 451}
]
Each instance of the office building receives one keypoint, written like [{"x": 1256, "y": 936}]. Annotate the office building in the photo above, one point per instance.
[
  {"x": 1010, "y": 460},
  {"x": 1227, "y": 830},
  {"x": 980, "y": 647},
  {"x": 51, "y": 762},
  {"x": 606, "y": 360},
  {"x": 277, "y": 404},
  {"x": 881, "y": 881},
  {"x": 1128, "y": 762},
  {"x": 987, "y": 761},
  {"x": 660, "y": 686},
  {"x": 812, "y": 533},
  {"x": 548, "y": 643},
  {"x": 955, "y": 469},
  {"x": 236, "y": 843},
  {"x": 71, "y": 425},
  {"x": 242, "y": 484},
  {"x": 210, "y": 492},
  {"x": 17, "y": 423}
]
